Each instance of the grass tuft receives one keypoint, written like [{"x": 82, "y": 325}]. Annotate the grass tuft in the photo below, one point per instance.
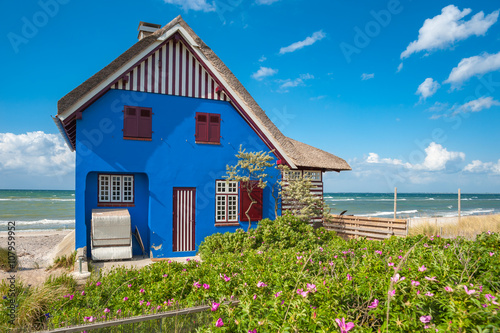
[
  {"x": 64, "y": 262},
  {"x": 5, "y": 264}
]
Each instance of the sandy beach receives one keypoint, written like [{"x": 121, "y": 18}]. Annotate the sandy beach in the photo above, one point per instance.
[{"x": 36, "y": 251}]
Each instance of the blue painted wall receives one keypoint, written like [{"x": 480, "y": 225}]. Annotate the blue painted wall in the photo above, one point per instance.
[{"x": 171, "y": 159}]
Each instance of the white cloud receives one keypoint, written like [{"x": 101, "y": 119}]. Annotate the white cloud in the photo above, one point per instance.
[
  {"x": 445, "y": 29},
  {"x": 265, "y": 2},
  {"x": 366, "y": 76},
  {"x": 479, "y": 104},
  {"x": 400, "y": 67},
  {"x": 476, "y": 105},
  {"x": 196, "y": 5},
  {"x": 477, "y": 166},
  {"x": 375, "y": 159},
  {"x": 476, "y": 65},
  {"x": 436, "y": 159},
  {"x": 318, "y": 35},
  {"x": 262, "y": 59},
  {"x": 35, "y": 153},
  {"x": 288, "y": 83},
  {"x": 317, "y": 98},
  {"x": 264, "y": 72},
  {"x": 427, "y": 88}
]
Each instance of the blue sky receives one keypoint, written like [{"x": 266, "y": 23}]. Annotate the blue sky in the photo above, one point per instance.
[{"x": 408, "y": 92}]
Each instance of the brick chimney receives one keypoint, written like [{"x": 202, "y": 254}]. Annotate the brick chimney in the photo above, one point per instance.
[{"x": 146, "y": 29}]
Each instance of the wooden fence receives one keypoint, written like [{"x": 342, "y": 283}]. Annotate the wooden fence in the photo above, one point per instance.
[{"x": 370, "y": 227}]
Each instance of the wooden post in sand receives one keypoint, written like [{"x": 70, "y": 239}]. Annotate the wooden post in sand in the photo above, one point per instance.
[
  {"x": 459, "y": 206},
  {"x": 395, "y": 200}
]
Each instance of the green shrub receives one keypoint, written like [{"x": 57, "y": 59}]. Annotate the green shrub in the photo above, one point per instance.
[
  {"x": 6, "y": 264},
  {"x": 285, "y": 232}
]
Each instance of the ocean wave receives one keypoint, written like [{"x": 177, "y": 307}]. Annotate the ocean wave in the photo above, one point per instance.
[
  {"x": 44, "y": 221},
  {"x": 348, "y": 199},
  {"x": 477, "y": 211},
  {"x": 35, "y": 199},
  {"x": 414, "y": 211},
  {"x": 430, "y": 199}
]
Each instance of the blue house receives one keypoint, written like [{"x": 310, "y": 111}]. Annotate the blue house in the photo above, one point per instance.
[{"x": 153, "y": 132}]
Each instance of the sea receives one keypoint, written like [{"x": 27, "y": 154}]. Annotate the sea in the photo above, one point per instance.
[{"x": 34, "y": 210}]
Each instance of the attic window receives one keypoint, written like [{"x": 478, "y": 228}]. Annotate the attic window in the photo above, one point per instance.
[
  {"x": 137, "y": 123},
  {"x": 207, "y": 128}
]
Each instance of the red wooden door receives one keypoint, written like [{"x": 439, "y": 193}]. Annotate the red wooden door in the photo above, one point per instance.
[{"x": 184, "y": 219}]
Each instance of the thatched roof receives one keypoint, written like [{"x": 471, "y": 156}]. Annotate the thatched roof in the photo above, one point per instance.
[{"x": 301, "y": 154}]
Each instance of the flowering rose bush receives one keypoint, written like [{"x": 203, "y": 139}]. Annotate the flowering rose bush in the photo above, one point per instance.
[{"x": 289, "y": 277}]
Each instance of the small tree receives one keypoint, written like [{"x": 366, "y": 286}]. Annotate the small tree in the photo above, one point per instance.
[
  {"x": 297, "y": 196},
  {"x": 250, "y": 171}
]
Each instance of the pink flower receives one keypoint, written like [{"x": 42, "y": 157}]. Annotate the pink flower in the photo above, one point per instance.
[
  {"x": 349, "y": 277},
  {"x": 378, "y": 252},
  {"x": 197, "y": 284},
  {"x": 312, "y": 287},
  {"x": 119, "y": 311},
  {"x": 374, "y": 304},
  {"x": 219, "y": 323},
  {"x": 107, "y": 310},
  {"x": 206, "y": 286},
  {"x": 392, "y": 292},
  {"x": 278, "y": 294},
  {"x": 98, "y": 284},
  {"x": 429, "y": 294},
  {"x": 344, "y": 327},
  {"x": 83, "y": 293},
  {"x": 491, "y": 254},
  {"x": 261, "y": 284},
  {"x": 448, "y": 289},
  {"x": 489, "y": 297},
  {"x": 165, "y": 275},
  {"x": 215, "y": 306},
  {"x": 400, "y": 257},
  {"x": 390, "y": 264},
  {"x": 71, "y": 297},
  {"x": 142, "y": 291},
  {"x": 397, "y": 278},
  {"x": 425, "y": 319},
  {"x": 302, "y": 292},
  {"x": 130, "y": 285},
  {"x": 415, "y": 283},
  {"x": 252, "y": 331},
  {"x": 148, "y": 304},
  {"x": 430, "y": 278},
  {"x": 469, "y": 292},
  {"x": 422, "y": 268},
  {"x": 91, "y": 319},
  {"x": 226, "y": 278},
  {"x": 125, "y": 299}
]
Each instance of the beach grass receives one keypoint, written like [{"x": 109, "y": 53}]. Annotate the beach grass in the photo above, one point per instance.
[
  {"x": 67, "y": 262},
  {"x": 34, "y": 302},
  {"x": 467, "y": 227},
  {"x": 5, "y": 263}
]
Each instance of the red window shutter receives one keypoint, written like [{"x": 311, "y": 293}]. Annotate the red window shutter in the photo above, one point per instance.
[
  {"x": 201, "y": 127},
  {"x": 256, "y": 210},
  {"x": 130, "y": 123},
  {"x": 214, "y": 128},
  {"x": 145, "y": 123}
]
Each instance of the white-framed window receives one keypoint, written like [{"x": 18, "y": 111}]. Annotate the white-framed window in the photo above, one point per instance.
[
  {"x": 116, "y": 188},
  {"x": 292, "y": 175},
  {"x": 226, "y": 201},
  {"x": 312, "y": 175}
]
